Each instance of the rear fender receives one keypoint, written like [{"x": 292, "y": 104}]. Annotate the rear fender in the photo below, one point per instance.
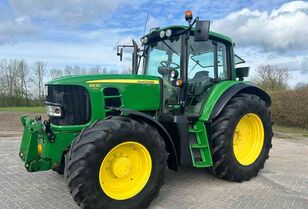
[{"x": 236, "y": 89}]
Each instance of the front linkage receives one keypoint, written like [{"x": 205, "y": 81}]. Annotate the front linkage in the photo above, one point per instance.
[
  {"x": 34, "y": 136},
  {"x": 42, "y": 149}
]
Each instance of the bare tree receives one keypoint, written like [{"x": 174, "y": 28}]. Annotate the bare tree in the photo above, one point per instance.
[
  {"x": 97, "y": 69},
  {"x": 301, "y": 85},
  {"x": 74, "y": 70},
  {"x": 271, "y": 77},
  {"x": 56, "y": 73},
  {"x": 14, "y": 77},
  {"x": 39, "y": 70},
  {"x": 127, "y": 71},
  {"x": 23, "y": 74}
]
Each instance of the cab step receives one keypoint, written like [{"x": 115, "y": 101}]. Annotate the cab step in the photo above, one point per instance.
[{"x": 199, "y": 147}]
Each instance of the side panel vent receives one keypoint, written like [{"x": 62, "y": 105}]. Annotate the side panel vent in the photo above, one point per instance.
[
  {"x": 112, "y": 98},
  {"x": 110, "y": 91}
]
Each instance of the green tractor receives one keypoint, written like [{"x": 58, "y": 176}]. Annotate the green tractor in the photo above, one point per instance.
[{"x": 185, "y": 103}]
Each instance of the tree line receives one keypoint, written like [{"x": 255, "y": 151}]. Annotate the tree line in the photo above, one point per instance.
[
  {"x": 289, "y": 106},
  {"x": 22, "y": 84}
]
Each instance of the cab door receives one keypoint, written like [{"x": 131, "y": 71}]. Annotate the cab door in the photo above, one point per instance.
[{"x": 201, "y": 71}]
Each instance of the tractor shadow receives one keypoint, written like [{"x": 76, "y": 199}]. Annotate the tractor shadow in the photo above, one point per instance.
[
  {"x": 186, "y": 187},
  {"x": 190, "y": 175}
]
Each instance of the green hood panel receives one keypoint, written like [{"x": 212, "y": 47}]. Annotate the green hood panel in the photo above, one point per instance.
[{"x": 137, "y": 92}]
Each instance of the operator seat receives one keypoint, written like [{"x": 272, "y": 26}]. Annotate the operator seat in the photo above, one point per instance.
[{"x": 200, "y": 82}]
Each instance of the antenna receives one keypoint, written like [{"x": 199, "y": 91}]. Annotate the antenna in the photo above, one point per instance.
[{"x": 146, "y": 23}]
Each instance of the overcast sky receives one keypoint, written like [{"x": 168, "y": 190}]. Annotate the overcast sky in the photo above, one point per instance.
[{"x": 85, "y": 33}]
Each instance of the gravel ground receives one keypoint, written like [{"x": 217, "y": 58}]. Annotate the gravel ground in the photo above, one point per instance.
[{"x": 283, "y": 183}]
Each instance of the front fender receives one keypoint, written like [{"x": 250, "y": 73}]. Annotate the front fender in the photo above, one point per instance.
[{"x": 172, "y": 159}]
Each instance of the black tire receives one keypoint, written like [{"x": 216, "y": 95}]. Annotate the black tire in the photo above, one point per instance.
[
  {"x": 89, "y": 149},
  {"x": 225, "y": 164},
  {"x": 60, "y": 169}
]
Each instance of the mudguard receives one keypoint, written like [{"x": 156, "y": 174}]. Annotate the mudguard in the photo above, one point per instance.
[
  {"x": 172, "y": 159},
  {"x": 235, "y": 89}
]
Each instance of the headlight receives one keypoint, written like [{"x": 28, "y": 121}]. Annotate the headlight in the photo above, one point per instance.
[
  {"x": 54, "y": 111},
  {"x": 168, "y": 33},
  {"x": 162, "y": 34}
]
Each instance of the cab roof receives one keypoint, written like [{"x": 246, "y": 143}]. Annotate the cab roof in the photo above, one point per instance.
[{"x": 183, "y": 27}]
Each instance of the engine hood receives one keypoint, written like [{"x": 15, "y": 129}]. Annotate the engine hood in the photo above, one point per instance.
[
  {"x": 85, "y": 80},
  {"x": 137, "y": 92}
]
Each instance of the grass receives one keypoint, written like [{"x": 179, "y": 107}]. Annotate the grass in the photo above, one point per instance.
[
  {"x": 287, "y": 129},
  {"x": 23, "y": 109}
]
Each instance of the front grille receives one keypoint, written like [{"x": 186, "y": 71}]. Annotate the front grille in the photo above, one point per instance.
[{"x": 75, "y": 102}]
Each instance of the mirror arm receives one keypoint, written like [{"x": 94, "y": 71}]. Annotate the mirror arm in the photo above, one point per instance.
[{"x": 192, "y": 24}]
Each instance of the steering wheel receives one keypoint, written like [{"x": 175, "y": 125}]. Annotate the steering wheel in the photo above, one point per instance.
[{"x": 169, "y": 64}]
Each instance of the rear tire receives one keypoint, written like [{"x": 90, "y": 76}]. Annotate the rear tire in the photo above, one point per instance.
[
  {"x": 226, "y": 161},
  {"x": 87, "y": 155}
]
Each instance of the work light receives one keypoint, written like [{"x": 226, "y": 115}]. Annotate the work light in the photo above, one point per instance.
[
  {"x": 168, "y": 33},
  {"x": 144, "y": 40},
  {"x": 162, "y": 34}
]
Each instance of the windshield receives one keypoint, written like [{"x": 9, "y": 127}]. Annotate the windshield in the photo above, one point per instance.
[
  {"x": 162, "y": 58},
  {"x": 164, "y": 53}
]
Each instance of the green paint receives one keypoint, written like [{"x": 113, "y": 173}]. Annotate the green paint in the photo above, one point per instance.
[
  {"x": 202, "y": 146},
  {"x": 147, "y": 95},
  {"x": 213, "y": 97}
]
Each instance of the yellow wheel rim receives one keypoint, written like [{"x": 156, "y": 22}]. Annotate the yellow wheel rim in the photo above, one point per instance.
[
  {"x": 125, "y": 170},
  {"x": 248, "y": 139}
]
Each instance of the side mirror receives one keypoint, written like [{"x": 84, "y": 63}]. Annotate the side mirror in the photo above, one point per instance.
[
  {"x": 120, "y": 52},
  {"x": 202, "y": 30},
  {"x": 242, "y": 72}
]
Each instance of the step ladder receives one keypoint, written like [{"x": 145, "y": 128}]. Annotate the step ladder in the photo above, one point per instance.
[{"x": 199, "y": 146}]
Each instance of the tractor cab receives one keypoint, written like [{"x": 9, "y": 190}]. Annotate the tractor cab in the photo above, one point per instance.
[
  {"x": 188, "y": 67},
  {"x": 188, "y": 59}
]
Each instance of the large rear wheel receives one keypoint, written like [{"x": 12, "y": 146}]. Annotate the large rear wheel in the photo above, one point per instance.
[
  {"x": 116, "y": 163},
  {"x": 241, "y": 140}
]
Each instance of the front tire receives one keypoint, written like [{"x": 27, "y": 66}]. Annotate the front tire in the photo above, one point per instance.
[
  {"x": 241, "y": 139},
  {"x": 116, "y": 163}
]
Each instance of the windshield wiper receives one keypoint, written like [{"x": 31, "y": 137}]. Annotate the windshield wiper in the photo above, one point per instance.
[
  {"x": 193, "y": 67},
  {"x": 169, "y": 47}
]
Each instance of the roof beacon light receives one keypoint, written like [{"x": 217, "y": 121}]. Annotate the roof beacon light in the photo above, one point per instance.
[{"x": 188, "y": 15}]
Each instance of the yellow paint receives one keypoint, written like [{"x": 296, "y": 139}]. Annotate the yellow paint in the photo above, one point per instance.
[
  {"x": 94, "y": 85},
  {"x": 130, "y": 81},
  {"x": 125, "y": 170},
  {"x": 248, "y": 139},
  {"x": 39, "y": 149}
]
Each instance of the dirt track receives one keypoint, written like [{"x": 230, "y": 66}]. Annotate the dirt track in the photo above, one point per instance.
[{"x": 10, "y": 125}]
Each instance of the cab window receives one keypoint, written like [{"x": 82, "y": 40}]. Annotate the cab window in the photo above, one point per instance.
[
  {"x": 201, "y": 71},
  {"x": 201, "y": 59}
]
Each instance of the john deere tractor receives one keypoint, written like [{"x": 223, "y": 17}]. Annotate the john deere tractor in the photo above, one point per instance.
[{"x": 185, "y": 103}]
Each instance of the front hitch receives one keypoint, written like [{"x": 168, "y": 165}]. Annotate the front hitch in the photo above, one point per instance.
[{"x": 31, "y": 147}]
